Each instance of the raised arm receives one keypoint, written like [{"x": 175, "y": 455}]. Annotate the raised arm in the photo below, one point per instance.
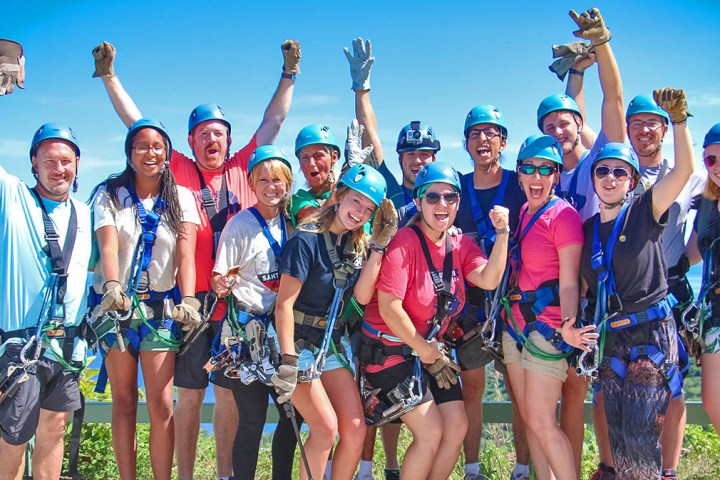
[
  {"x": 489, "y": 275},
  {"x": 592, "y": 26},
  {"x": 279, "y": 106},
  {"x": 665, "y": 192},
  {"x": 361, "y": 62},
  {"x": 125, "y": 107},
  {"x": 575, "y": 90}
]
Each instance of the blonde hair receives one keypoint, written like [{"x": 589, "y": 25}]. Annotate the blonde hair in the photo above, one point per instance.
[
  {"x": 277, "y": 169},
  {"x": 322, "y": 219},
  {"x": 712, "y": 191}
]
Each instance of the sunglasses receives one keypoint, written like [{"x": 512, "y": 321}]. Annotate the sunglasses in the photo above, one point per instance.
[
  {"x": 544, "y": 170},
  {"x": 434, "y": 198},
  {"x": 619, "y": 173},
  {"x": 710, "y": 161}
]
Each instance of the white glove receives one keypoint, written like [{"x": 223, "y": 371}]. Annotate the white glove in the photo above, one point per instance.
[
  {"x": 354, "y": 153},
  {"x": 360, "y": 64}
]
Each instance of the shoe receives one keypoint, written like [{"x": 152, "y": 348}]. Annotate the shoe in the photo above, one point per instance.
[
  {"x": 520, "y": 476},
  {"x": 603, "y": 472},
  {"x": 392, "y": 474},
  {"x": 475, "y": 476},
  {"x": 669, "y": 474}
]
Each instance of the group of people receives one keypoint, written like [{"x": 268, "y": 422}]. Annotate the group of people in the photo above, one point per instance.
[{"x": 350, "y": 302}]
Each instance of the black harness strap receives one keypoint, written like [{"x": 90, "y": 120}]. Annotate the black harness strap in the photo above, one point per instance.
[
  {"x": 217, "y": 213},
  {"x": 442, "y": 284}
]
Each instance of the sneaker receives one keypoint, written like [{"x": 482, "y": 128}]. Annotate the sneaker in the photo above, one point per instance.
[
  {"x": 520, "y": 476},
  {"x": 392, "y": 474},
  {"x": 603, "y": 472},
  {"x": 669, "y": 474},
  {"x": 475, "y": 476}
]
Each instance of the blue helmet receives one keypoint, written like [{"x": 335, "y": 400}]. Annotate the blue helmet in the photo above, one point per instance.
[
  {"x": 541, "y": 146},
  {"x": 556, "y": 103},
  {"x": 712, "y": 137},
  {"x": 54, "y": 130},
  {"x": 485, "y": 114},
  {"x": 437, "y": 172},
  {"x": 205, "y": 112},
  {"x": 645, "y": 104},
  {"x": 147, "y": 123},
  {"x": 618, "y": 151},
  {"x": 366, "y": 180},
  {"x": 267, "y": 152},
  {"x": 414, "y": 136},
  {"x": 316, "y": 134}
]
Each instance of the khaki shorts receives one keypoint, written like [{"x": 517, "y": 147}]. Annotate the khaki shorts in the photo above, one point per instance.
[
  {"x": 551, "y": 368},
  {"x": 511, "y": 349}
]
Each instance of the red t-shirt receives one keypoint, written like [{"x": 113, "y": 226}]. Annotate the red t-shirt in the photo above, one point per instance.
[
  {"x": 557, "y": 227},
  {"x": 240, "y": 197},
  {"x": 405, "y": 274}
]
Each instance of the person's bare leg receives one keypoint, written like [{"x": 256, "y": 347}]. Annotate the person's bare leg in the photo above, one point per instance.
[
  {"x": 454, "y": 429},
  {"x": 122, "y": 371},
  {"x": 158, "y": 371},
  {"x": 572, "y": 415},
  {"x": 473, "y": 384},
  {"x": 13, "y": 460},
  {"x": 47, "y": 455},
  {"x": 225, "y": 424},
  {"x": 390, "y": 433},
  {"x": 187, "y": 428},
  {"x": 602, "y": 436},
  {"x": 673, "y": 433}
]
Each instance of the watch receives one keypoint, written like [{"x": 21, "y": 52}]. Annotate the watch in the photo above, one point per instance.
[{"x": 290, "y": 76}]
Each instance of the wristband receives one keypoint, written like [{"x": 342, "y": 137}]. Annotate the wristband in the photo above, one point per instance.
[
  {"x": 502, "y": 231},
  {"x": 288, "y": 359},
  {"x": 576, "y": 72},
  {"x": 565, "y": 320},
  {"x": 375, "y": 248},
  {"x": 290, "y": 76}
]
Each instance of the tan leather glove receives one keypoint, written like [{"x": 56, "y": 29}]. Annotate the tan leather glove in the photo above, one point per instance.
[
  {"x": 114, "y": 297},
  {"x": 291, "y": 55},
  {"x": 444, "y": 371},
  {"x": 385, "y": 224},
  {"x": 12, "y": 66},
  {"x": 104, "y": 55},
  {"x": 187, "y": 313},
  {"x": 672, "y": 100},
  {"x": 591, "y": 26},
  {"x": 285, "y": 378}
]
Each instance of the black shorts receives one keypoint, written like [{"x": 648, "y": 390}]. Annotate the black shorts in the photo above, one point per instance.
[
  {"x": 470, "y": 355},
  {"x": 189, "y": 371},
  {"x": 52, "y": 388},
  {"x": 390, "y": 377}
]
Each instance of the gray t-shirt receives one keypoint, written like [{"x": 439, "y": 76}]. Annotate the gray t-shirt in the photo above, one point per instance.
[{"x": 576, "y": 185}]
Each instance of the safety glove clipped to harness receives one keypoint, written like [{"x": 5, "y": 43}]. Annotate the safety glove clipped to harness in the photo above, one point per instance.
[
  {"x": 12, "y": 66},
  {"x": 104, "y": 55},
  {"x": 444, "y": 371},
  {"x": 285, "y": 378},
  {"x": 384, "y": 226},
  {"x": 673, "y": 101},
  {"x": 187, "y": 313},
  {"x": 591, "y": 26},
  {"x": 114, "y": 298},
  {"x": 291, "y": 56},
  {"x": 361, "y": 62}
]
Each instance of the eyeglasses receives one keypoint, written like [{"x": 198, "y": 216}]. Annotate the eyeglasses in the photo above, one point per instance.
[
  {"x": 434, "y": 198},
  {"x": 619, "y": 173},
  {"x": 489, "y": 132},
  {"x": 710, "y": 161},
  {"x": 544, "y": 170},
  {"x": 142, "y": 150},
  {"x": 651, "y": 125}
]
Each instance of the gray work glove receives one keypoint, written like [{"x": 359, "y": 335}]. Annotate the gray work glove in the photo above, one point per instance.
[
  {"x": 567, "y": 55},
  {"x": 104, "y": 55},
  {"x": 361, "y": 62},
  {"x": 672, "y": 100},
  {"x": 384, "y": 225},
  {"x": 12, "y": 66},
  {"x": 591, "y": 26},
  {"x": 114, "y": 297},
  {"x": 291, "y": 55},
  {"x": 187, "y": 313},
  {"x": 285, "y": 378},
  {"x": 354, "y": 153},
  {"x": 444, "y": 371}
]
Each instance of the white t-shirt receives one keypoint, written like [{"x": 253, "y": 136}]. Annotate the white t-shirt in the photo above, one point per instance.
[
  {"x": 244, "y": 244},
  {"x": 162, "y": 268}
]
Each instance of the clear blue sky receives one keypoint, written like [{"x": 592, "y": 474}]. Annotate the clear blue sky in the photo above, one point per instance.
[{"x": 433, "y": 63}]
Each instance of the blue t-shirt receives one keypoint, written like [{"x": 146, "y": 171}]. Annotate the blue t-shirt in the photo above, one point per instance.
[
  {"x": 399, "y": 195},
  {"x": 24, "y": 265},
  {"x": 306, "y": 259}
]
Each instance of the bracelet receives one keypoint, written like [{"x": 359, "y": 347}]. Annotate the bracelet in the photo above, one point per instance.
[
  {"x": 375, "y": 248},
  {"x": 502, "y": 231},
  {"x": 576, "y": 72},
  {"x": 289, "y": 76},
  {"x": 565, "y": 320}
]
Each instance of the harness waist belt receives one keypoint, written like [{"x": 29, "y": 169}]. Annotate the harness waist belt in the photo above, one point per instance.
[{"x": 655, "y": 312}]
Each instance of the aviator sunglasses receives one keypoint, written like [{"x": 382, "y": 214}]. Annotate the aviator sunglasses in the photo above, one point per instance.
[
  {"x": 434, "y": 198},
  {"x": 619, "y": 173},
  {"x": 544, "y": 170},
  {"x": 710, "y": 161}
]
